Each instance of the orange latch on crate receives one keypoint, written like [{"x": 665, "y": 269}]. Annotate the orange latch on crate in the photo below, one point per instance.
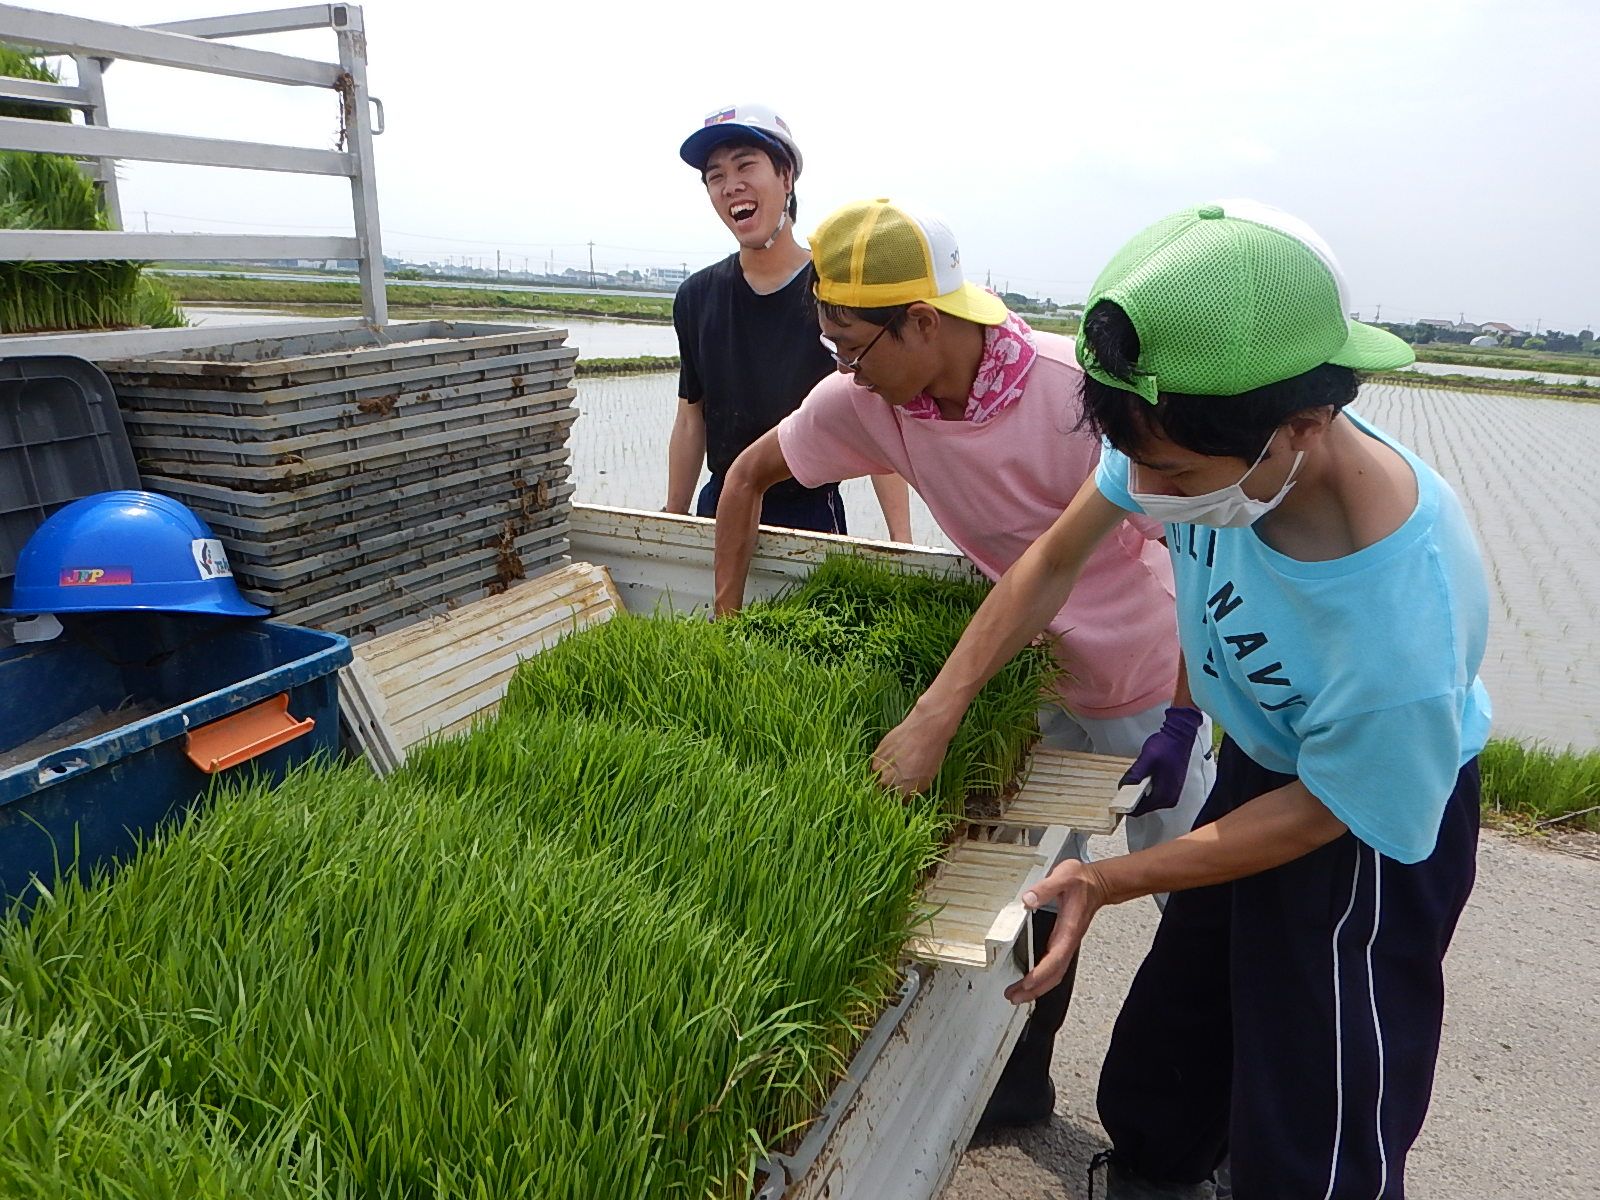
[{"x": 255, "y": 730}]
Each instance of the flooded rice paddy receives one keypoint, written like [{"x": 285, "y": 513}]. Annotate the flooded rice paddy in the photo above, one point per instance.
[
  {"x": 1524, "y": 467},
  {"x": 1428, "y": 368}
]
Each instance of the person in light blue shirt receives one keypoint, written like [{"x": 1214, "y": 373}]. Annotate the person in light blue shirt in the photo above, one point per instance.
[
  {"x": 1270, "y": 642},
  {"x": 1333, "y": 612}
]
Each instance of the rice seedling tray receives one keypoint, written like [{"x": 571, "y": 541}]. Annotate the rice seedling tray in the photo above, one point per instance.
[
  {"x": 396, "y": 601},
  {"x": 257, "y": 415},
  {"x": 522, "y": 488},
  {"x": 310, "y": 502},
  {"x": 85, "y": 805},
  {"x": 1071, "y": 788},
  {"x": 374, "y": 421},
  {"x": 436, "y": 677},
  {"x": 413, "y": 538},
  {"x": 540, "y": 423},
  {"x": 408, "y": 565},
  {"x": 973, "y": 906},
  {"x": 273, "y": 363}
]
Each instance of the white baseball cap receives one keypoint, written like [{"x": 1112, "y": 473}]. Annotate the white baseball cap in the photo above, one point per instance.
[{"x": 739, "y": 120}]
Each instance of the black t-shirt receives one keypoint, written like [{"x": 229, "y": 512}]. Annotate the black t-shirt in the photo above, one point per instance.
[{"x": 749, "y": 359}]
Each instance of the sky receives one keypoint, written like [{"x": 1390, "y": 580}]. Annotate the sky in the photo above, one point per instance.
[{"x": 1449, "y": 152}]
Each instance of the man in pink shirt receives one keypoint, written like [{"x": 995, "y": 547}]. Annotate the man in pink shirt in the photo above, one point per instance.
[{"x": 941, "y": 384}]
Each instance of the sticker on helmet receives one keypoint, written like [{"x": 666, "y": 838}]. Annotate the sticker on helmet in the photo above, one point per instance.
[
  {"x": 211, "y": 558},
  {"x": 95, "y": 576}
]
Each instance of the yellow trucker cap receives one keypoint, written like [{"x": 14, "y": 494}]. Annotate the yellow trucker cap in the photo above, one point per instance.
[{"x": 874, "y": 254}]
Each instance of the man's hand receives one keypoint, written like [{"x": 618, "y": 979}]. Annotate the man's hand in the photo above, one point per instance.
[
  {"x": 910, "y": 754},
  {"x": 1164, "y": 760},
  {"x": 1079, "y": 893}
]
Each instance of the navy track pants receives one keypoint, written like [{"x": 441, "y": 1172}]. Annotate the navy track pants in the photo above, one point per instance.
[
  {"x": 818, "y": 510},
  {"x": 1291, "y": 1019}
]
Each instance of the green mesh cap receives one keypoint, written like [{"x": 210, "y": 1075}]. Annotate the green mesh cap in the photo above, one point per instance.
[{"x": 1233, "y": 296}]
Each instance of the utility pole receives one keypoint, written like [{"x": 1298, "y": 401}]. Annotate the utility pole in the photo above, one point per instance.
[
  {"x": 147, "y": 221},
  {"x": 591, "y": 264},
  {"x": 497, "y": 266},
  {"x": 1377, "y": 316},
  {"x": 1537, "y": 321}
]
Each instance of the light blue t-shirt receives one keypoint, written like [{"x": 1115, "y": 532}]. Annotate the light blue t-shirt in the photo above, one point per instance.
[{"x": 1358, "y": 675}]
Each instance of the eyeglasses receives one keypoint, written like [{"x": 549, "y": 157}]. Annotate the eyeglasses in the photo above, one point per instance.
[{"x": 850, "y": 364}]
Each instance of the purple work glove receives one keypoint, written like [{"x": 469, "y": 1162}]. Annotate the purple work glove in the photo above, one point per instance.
[{"x": 1164, "y": 760}]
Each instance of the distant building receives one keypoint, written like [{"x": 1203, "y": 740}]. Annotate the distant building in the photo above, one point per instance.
[
  {"x": 669, "y": 277},
  {"x": 1437, "y": 322},
  {"x": 1498, "y": 327}
]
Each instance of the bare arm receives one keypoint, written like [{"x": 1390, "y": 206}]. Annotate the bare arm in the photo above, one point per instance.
[
  {"x": 739, "y": 516},
  {"x": 1182, "y": 697},
  {"x": 1017, "y": 610},
  {"x": 686, "y": 454},
  {"x": 894, "y": 497},
  {"x": 1277, "y": 827}
]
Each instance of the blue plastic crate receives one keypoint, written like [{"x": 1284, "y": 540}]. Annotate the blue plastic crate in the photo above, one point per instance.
[{"x": 89, "y": 804}]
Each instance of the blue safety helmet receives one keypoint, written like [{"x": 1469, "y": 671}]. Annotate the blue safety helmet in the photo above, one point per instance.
[{"x": 126, "y": 551}]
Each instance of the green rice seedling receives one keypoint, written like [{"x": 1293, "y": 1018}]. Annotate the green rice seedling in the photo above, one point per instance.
[
  {"x": 19, "y": 63},
  {"x": 616, "y": 941},
  {"x": 1533, "y": 785},
  {"x": 557, "y": 958},
  {"x": 851, "y": 610},
  {"x": 50, "y": 191},
  {"x": 758, "y": 701}
]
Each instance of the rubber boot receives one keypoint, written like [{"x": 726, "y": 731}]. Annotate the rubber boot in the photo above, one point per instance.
[{"x": 1025, "y": 1095}]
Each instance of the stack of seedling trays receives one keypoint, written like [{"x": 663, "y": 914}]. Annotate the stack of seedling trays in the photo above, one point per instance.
[{"x": 359, "y": 480}]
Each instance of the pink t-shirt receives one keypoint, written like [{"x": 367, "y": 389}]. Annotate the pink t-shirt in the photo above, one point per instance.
[{"x": 994, "y": 488}]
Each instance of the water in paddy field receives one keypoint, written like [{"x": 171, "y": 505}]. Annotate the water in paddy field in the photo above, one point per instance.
[
  {"x": 619, "y": 455},
  {"x": 594, "y": 339},
  {"x": 1525, "y": 469},
  {"x": 1428, "y": 368}
]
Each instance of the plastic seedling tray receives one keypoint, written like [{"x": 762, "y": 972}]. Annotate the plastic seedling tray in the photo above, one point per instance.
[
  {"x": 397, "y": 603},
  {"x": 415, "y": 392},
  {"x": 352, "y": 443},
  {"x": 274, "y": 537},
  {"x": 517, "y": 484},
  {"x": 375, "y": 553},
  {"x": 311, "y": 501},
  {"x": 268, "y": 363},
  {"x": 283, "y": 476},
  {"x": 482, "y": 545}
]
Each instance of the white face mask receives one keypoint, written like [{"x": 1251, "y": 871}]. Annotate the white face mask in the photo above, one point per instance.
[{"x": 1225, "y": 508}]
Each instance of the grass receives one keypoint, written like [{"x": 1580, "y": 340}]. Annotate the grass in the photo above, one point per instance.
[
  {"x": 240, "y": 289},
  {"x": 1531, "y": 787},
  {"x": 1067, "y": 325},
  {"x": 1509, "y": 359},
  {"x": 616, "y": 941},
  {"x": 643, "y": 364},
  {"x": 1526, "y": 788},
  {"x": 1478, "y": 383}
]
